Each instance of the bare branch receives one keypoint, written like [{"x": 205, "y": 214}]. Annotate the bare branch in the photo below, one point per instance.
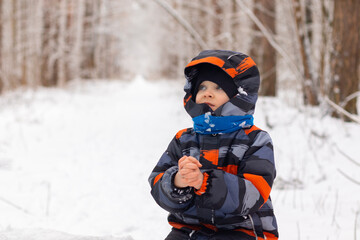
[
  {"x": 14, "y": 205},
  {"x": 185, "y": 24},
  {"x": 342, "y": 110},
  {"x": 348, "y": 177},
  {"x": 270, "y": 38},
  {"x": 347, "y": 156},
  {"x": 349, "y": 98}
]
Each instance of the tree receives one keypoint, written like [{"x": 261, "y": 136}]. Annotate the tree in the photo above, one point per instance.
[
  {"x": 261, "y": 50},
  {"x": 345, "y": 56},
  {"x": 304, "y": 35}
]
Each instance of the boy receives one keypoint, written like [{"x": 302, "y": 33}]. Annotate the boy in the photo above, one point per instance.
[{"x": 215, "y": 178}]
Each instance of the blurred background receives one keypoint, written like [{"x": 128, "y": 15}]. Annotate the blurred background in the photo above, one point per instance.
[{"x": 306, "y": 47}]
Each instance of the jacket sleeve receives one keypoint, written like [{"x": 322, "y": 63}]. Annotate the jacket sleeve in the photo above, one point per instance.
[
  {"x": 245, "y": 192},
  {"x": 161, "y": 180}
]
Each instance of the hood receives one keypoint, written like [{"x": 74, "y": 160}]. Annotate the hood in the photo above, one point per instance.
[{"x": 240, "y": 67}]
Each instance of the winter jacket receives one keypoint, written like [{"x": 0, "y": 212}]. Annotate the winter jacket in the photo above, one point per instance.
[{"x": 238, "y": 167}]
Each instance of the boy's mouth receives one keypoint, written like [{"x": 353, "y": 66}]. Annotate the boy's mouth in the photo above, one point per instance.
[{"x": 209, "y": 104}]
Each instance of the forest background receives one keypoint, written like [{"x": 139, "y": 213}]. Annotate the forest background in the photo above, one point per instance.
[{"x": 51, "y": 42}]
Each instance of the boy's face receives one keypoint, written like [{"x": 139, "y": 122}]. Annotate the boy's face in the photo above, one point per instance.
[{"x": 211, "y": 94}]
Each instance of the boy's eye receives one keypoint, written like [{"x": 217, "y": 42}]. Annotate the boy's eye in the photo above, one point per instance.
[{"x": 202, "y": 87}]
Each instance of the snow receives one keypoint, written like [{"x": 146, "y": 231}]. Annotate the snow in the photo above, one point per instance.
[{"x": 74, "y": 163}]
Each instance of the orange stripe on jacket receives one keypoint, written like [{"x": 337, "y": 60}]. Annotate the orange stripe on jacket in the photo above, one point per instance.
[
  {"x": 181, "y": 225},
  {"x": 180, "y": 133},
  {"x": 249, "y": 130},
  {"x": 260, "y": 183},
  {"x": 203, "y": 187},
  {"x": 270, "y": 236},
  {"x": 232, "y": 72},
  {"x": 211, "y": 155},
  {"x": 188, "y": 99},
  {"x": 233, "y": 169},
  {"x": 214, "y": 60},
  {"x": 157, "y": 178},
  {"x": 245, "y": 65},
  {"x": 212, "y": 227}
]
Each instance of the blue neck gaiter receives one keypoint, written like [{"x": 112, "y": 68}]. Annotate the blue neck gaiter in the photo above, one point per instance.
[{"x": 208, "y": 124}]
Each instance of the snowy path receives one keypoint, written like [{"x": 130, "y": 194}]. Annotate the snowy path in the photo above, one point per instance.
[{"x": 74, "y": 163}]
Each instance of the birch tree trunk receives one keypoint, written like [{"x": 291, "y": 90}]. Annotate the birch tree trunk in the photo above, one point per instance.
[
  {"x": 8, "y": 45},
  {"x": 61, "y": 55},
  {"x": 324, "y": 48},
  {"x": 209, "y": 23},
  {"x": 309, "y": 83},
  {"x": 37, "y": 41},
  {"x": 346, "y": 52},
  {"x": 50, "y": 51},
  {"x": 76, "y": 59},
  {"x": 217, "y": 23},
  {"x": 225, "y": 36},
  {"x": 99, "y": 39},
  {"x": 235, "y": 26},
  {"x": 89, "y": 41}
]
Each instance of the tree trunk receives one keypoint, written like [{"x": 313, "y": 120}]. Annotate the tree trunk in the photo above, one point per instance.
[
  {"x": 324, "y": 48},
  {"x": 346, "y": 52},
  {"x": 217, "y": 23},
  {"x": 49, "y": 55},
  {"x": 261, "y": 50},
  {"x": 235, "y": 25},
  {"x": 309, "y": 83},
  {"x": 61, "y": 41}
]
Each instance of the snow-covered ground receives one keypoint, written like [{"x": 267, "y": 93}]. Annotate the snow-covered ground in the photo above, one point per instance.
[{"x": 74, "y": 163}]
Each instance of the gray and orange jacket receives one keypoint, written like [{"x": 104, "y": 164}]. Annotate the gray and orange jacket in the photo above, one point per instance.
[{"x": 238, "y": 167}]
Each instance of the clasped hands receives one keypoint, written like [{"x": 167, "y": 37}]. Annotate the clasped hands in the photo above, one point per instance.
[{"x": 189, "y": 174}]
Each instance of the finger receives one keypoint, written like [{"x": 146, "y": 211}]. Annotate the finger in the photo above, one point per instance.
[
  {"x": 190, "y": 178},
  {"x": 191, "y": 181},
  {"x": 190, "y": 166},
  {"x": 192, "y": 175},
  {"x": 189, "y": 160},
  {"x": 185, "y": 171},
  {"x": 181, "y": 160},
  {"x": 194, "y": 160}
]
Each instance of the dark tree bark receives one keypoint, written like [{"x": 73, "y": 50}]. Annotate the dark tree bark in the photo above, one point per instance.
[
  {"x": 346, "y": 52},
  {"x": 261, "y": 50}
]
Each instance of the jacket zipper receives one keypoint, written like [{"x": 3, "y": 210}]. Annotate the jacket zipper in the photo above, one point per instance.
[{"x": 253, "y": 225}]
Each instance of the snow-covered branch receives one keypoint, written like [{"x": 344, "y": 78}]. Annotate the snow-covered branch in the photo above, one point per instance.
[
  {"x": 349, "y": 98},
  {"x": 341, "y": 110}
]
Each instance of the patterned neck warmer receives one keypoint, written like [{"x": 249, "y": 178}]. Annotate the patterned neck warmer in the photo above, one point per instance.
[{"x": 208, "y": 124}]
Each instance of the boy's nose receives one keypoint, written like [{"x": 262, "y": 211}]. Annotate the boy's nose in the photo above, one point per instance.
[{"x": 208, "y": 94}]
